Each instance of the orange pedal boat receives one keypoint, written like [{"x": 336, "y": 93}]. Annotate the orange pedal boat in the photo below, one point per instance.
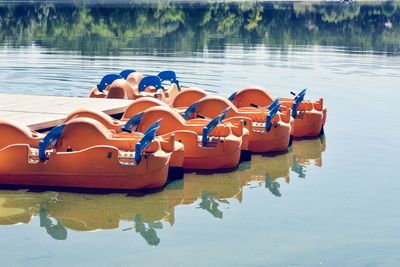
[
  {"x": 70, "y": 156},
  {"x": 309, "y": 116},
  {"x": 117, "y": 128},
  {"x": 209, "y": 145},
  {"x": 142, "y": 104},
  {"x": 269, "y": 130},
  {"x": 130, "y": 84}
]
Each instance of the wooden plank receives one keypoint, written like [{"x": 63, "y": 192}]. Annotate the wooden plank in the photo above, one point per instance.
[{"x": 40, "y": 112}]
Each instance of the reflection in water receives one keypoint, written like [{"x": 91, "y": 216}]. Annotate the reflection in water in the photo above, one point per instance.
[
  {"x": 60, "y": 211},
  {"x": 56, "y": 231},
  {"x": 266, "y": 170},
  {"x": 272, "y": 186},
  {"x": 158, "y": 27},
  {"x": 210, "y": 203},
  {"x": 269, "y": 170},
  {"x": 303, "y": 156},
  {"x": 148, "y": 232},
  {"x": 52, "y": 49}
]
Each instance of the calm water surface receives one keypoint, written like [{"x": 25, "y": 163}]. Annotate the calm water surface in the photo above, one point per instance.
[{"x": 330, "y": 201}]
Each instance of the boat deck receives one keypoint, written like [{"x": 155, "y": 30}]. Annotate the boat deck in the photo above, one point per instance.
[{"x": 43, "y": 112}]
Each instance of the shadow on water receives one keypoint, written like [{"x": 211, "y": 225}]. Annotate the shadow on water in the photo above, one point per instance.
[{"x": 60, "y": 212}]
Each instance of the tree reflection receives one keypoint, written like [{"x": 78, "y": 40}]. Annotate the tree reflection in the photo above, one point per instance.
[{"x": 104, "y": 30}]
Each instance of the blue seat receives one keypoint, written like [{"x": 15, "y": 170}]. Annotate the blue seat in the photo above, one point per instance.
[
  {"x": 50, "y": 139},
  {"x": 232, "y": 96},
  {"x": 273, "y": 104},
  {"x": 297, "y": 101},
  {"x": 190, "y": 109},
  {"x": 270, "y": 116},
  {"x": 223, "y": 114},
  {"x": 211, "y": 125},
  {"x": 125, "y": 73},
  {"x": 107, "y": 80},
  {"x": 207, "y": 129},
  {"x": 132, "y": 122},
  {"x": 302, "y": 92},
  {"x": 155, "y": 125},
  {"x": 150, "y": 81},
  {"x": 144, "y": 143},
  {"x": 169, "y": 75}
]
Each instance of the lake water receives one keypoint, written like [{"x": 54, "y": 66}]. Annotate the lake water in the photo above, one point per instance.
[{"x": 330, "y": 201}]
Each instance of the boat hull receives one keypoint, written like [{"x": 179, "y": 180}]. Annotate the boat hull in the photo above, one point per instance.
[{"x": 96, "y": 167}]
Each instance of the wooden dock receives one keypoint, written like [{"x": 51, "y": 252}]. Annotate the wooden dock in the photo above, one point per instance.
[{"x": 43, "y": 112}]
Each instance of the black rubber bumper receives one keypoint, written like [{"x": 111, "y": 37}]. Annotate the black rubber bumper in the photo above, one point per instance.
[
  {"x": 175, "y": 173},
  {"x": 245, "y": 155},
  {"x": 290, "y": 141}
]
